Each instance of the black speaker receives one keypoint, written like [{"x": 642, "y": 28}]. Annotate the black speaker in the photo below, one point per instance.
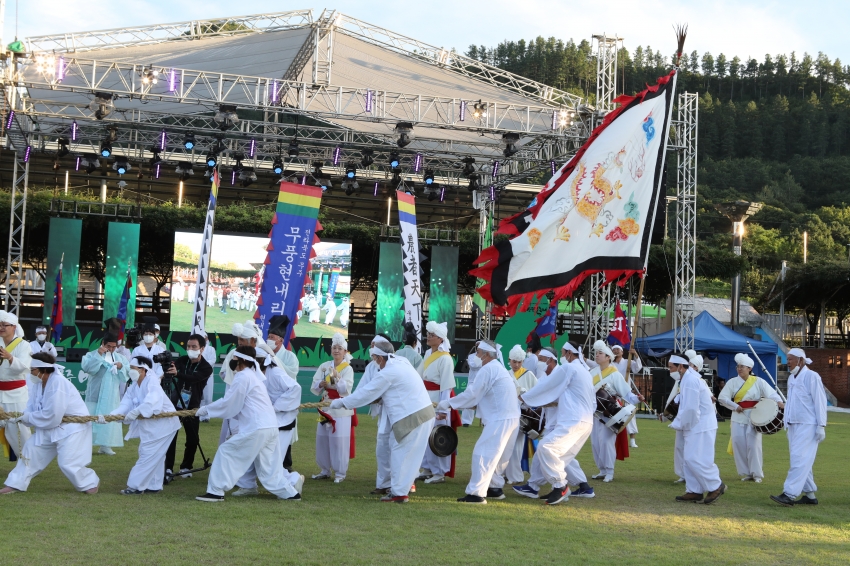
[
  {"x": 358, "y": 366},
  {"x": 75, "y": 354},
  {"x": 662, "y": 385}
]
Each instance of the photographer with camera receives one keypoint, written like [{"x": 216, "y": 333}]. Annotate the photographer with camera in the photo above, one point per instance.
[{"x": 191, "y": 372}]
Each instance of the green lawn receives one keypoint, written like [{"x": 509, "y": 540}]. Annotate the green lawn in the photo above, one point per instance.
[
  {"x": 216, "y": 321},
  {"x": 633, "y": 520}
]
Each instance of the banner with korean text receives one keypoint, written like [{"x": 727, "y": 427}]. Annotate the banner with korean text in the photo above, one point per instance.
[
  {"x": 410, "y": 260},
  {"x": 288, "y": 253}
]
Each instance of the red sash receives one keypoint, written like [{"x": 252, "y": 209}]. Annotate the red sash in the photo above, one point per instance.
[
  {"x": 334, "y": 394},
  {"x": 621, "y": 443},
  {"x": 12, "y": 385},
  {"x": 748, "y": 404}
]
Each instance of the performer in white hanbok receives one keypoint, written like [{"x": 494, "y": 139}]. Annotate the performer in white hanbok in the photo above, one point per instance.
[
  {"x": 335, "y": 443},
  {"x": 467, "y": 416},
  {"x": 607, "y": 447},
  {"x": 344, "y": 312},
  {"x": 193, "y": 288},
  {"x": 383, "y": 480},
  {"x": 805, "y": 421},
  {"x": 330, "y": 308},
  {"x": 285, "y": 395},
  {"x": 209, "y": 354},
  {"x": 312, "y": 307},
  {"x": 620, "y": 362},
  {"x": 15, "y": 355},
  {"x": 740, "y": 395},
  {"x": 146, "y": 398},
  {"x": 40, "y": 344},
  {"x": 437, "y": 371},
  {"x": 107, "y": 369},
  {"x": 533, "y": 361},
  {"x": 408, "y": 410},
  {"x": 51, "y": 398},
  {"x": 494, "y": 393},
  {"x": 150, "y": 347},
  {"x": 525, "y": 380},
  {"x": 698, "y": 422},
  {"x": 255, "y": 439},
  {"x": 571, "y": 387}
]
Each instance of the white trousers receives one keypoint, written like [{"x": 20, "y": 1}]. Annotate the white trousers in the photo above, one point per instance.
[
  {"x": 405, "y": 457},
  {"x": 802, "y": 448},
  {"x": 14, "y": 431},
  {"x": 746, "y": 447},
  {"x": 207, "y": 396},
  {"x": 467, "y": 416},
  {"x": 249, "y": 479},
  {"x": 679, "y": 454},
  {"x": 383, "y": 455},
  {"x": 701, "y": 473},
  {"x": 602, "y": 440},
  {"x": 490, "y": 456},
  {"x": 72, "y": 453},
  {"x": 632, "y": 428},
  {"x": 558, "y": 449},
  {"x": 536, "y": 479},
  {"x": 260, "y": 447},
  {"x": 433, "y": 463},
  {"x": 514, "y": 472},
  {"x": 149, "y": 471},
  {"x": 334, "y": 448}
]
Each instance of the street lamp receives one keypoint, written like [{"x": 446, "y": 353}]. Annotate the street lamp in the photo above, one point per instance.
[{"x": 737, "y": 212}]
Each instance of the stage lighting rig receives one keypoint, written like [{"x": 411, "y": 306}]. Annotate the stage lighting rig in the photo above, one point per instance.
[
  {"x": 105, "y": 148},
  {"x": 90, "y": 163},
  {"x": 479, "y": 110},
  {"x": 429, "y": 177},
  {"x": 212, "y": 160},
  {"x": 395, "y": 160},
  {"x": 474, "y": 183},
  {"x": 432, "y": 195},
  {"x": 247, "y": 176},
  {"x": 121, "y": 165},
  {"x": 319, "y": 176},
  {"x": 226, "y": 116},
  {"x": 468, "y": 166},
  {"x": 367, "y": 159},
  {"x": 405, "y": 133},
  {"x": 184, "y": 170},
  {"x": 63, "y": 147},
  {"x": 189, "y": 141},
  {"x": 351, "y": 171},
  {"x": 293, "y": 149},
  {"x": 350, "y": 187},
  {"x": 277, "y": 166},
  {"x": 510, "y": 140},
  {"x": 149, "y": 75},
  {"x": 102, "y": 105}
]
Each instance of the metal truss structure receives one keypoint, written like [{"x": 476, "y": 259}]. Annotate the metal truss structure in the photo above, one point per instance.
[{"x": 15, "y": 270}]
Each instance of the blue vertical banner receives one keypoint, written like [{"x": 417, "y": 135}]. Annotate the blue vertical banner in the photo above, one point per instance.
[
  {"x": 332, "y": 284},
  {"x": 288, "y": 254}
]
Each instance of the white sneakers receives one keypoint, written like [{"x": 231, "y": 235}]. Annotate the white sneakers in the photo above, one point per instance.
[
  {"x": 633, "y": 444},
  {"x": 106, "y": 450},
  {"x": 436, "y": 478},
  {"x": 243, "y": 491}
]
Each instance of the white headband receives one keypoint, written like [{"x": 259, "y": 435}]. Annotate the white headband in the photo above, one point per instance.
[
  {"x": 440, "y": 329},
  {"x": 40, "y": 364},
  {"x": 136, "y": 363},
  {"x": 678, "y": 360},
  {"x": 570, "y": 348},
  {"x": 243, "y": 356},
  {"x": 546, "y": 354},
  {"x": 690, "y": 354},
  {"x": 799, "y": 353},
  {"x": 617, "y": 347},
  {"x": 486, "y": 347},
  {"x": 378, "y": 352}
]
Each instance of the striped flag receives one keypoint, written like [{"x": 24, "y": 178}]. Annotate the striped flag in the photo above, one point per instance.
[
  {"x": 199, "y": 319},
  {"x": 56, "y": 315},
  {"x": 410, "y": 260}
]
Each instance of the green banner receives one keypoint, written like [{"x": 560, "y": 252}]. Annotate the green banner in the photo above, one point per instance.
[
  {"x": 442, "y": 301},
  {"x": 63, "y": 239},
  {"x": 122, "y": 252},
  {"x": 389, "y": 319}
]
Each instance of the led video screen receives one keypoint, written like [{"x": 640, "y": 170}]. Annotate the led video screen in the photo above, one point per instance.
[{"x": 326, "y": 306}]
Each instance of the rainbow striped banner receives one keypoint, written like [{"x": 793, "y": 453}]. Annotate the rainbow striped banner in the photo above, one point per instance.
[
  {"x": 410, "y": 260},
  {"x": 290, "y": 246}
]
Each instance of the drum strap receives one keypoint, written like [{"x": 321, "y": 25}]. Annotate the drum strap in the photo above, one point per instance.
[{"x": 748, "y": 384}]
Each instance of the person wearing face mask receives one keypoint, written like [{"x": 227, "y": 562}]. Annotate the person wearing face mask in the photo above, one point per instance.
[
  {"x": 740, "y": 394},
  {"x": 467, "y": 416},
  {"x": 15, "y": 354},
  {"x": 40, "y": 344},
  {"x": 621, "y": 362},
  {"x": 335, "y": 443},
  {"x": 437, "y": 371},
  {"x": 51, "y": 398},
  {"x": 698, "y": 422},
  {"x": 146, "y": 398},
  {"x": 525, "y": 380},
  {"x": 249, "y": 335},
  {"x": 106, "y": 369},
  {"x": 494, "y": 393},
  {"x": 383, "y": 480},
  {"x": 210, "y": 355},
  {"x": 150, "y": 347},
  {"x": 410, "y": 351},
  {"x": 192, "y": 373},
  {"x": 805, "y": 421},
  {"x": 246, "y": 404},
  {"x": 157, "y": 339}
]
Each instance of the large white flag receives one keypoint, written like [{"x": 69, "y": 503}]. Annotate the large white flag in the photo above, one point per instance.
[{"x": 410, "y": 261}]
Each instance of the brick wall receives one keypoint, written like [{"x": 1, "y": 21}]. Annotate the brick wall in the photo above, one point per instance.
[{"x": 833, "y": 366}]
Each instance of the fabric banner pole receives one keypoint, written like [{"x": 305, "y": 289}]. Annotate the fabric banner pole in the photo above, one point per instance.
[
  {"x": 389, "y": 316},
  {"x": 199, "y": 317},
  {"x": 63, "y": 247},
  {"x": 410, "y": 261},
  {"x": 290, "y": 248},
  {"x": 442, "y": 298},
  {"x": 122, "y": 255}
]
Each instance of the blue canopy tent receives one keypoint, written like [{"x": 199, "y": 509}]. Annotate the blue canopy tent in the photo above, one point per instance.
[{"x": 711, "y": 337}]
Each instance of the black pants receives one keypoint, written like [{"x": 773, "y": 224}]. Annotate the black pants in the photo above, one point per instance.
[
  {"x": 190, "y": 426},
  {"x": 287, "y": 460}
]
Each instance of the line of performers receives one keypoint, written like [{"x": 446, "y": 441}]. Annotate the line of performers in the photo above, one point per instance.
[{"x": 410, "y": 395}]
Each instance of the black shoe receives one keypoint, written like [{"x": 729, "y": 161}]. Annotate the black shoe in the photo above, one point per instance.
[
  {"x": 806, "y": 501},
  {"x": 152, "y": 490},
  {"x": 472, "y": 499},
  {"x": 783, "y": 499},
  {"x": 714, "y": 495},
  {"x": 210, "y": 497},
  {"x": 380, "y": 491},
  {"x": 466, "y": 426},
  {"x": 495, "y": 493},
  {"x": 130, "y": 491},
  {"x": 557, "y": 495},
  {"x": 296, "y": 497}
]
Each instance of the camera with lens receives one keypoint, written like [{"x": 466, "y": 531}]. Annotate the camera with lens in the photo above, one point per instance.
[
  {"x": 169, "y": 381},
  {"x": 165, "y": 359}
]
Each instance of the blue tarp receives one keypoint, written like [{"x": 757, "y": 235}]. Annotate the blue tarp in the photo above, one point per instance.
[{"x": 716, "y": 340}]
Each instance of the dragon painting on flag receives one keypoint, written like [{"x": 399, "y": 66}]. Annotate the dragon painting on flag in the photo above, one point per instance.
[{"x": 594, "y": 215}]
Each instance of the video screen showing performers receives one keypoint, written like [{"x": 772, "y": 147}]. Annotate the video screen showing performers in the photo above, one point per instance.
[
  {"x": 326, "y": 306},
  {"x": 235, "y": 269}
]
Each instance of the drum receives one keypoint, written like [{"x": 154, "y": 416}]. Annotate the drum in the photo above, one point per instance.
[
  {"x": 671, "y": 410},
  {"x": 767, "y": 417},
  {"x": 531, "y": 421},
  {"x": 443, "y": 441},
  {"x": 612, "y": 410}
]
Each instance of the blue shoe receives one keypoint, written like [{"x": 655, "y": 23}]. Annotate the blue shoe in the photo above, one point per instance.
[
  {"x": 588, "y": 493},
  {"x": 526, "y": 490}
]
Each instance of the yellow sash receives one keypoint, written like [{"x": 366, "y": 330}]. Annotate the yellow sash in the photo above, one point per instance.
[
  {"x": 339, "y": 369},
  {"x": 520, "y": 372},
  {"x": 433, "y": 357},
  {"x": 603, "y": 374},
  {"x": 739, "y": 396}
]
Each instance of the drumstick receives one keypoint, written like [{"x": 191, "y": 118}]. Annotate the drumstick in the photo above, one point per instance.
[
  {"x": 764, "y": 369},
  {"x": 648, "y": 408}
]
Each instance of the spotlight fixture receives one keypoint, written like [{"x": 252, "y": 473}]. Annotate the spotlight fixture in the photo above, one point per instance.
[
  {"x": 350, "y": 187},
  {"x": 189, "y": 141},
  {"x": 429, "y": 177},
  {"x": 121, "y": 165},
  {"x": 277, "y": 166},
  {"x": 247, "y": 176},
  {"x": 102, "y": 105},
  {"x": 562, "y": 118},
  {"x": 432, "y": 195},
  {"x": 156, "y": 155},
  {"x": 479, "y": 110},
  {"x": 405, "y": 133},
  {"x": 105, "y": 148},
  {"x": 63, "y": 147},
  {"x": 226, "y": 116},
  {"x": 293, "y": 149},
  {"x": 149, "y": 75},
  {"x": 212, "y": 160},
  {"x": 395, "y": 160},
  {"x": 90, "y": 162},
  {"x": 319, "y": 176},
  {"x": 510, "y": 140},
  {"x": 468, "y": 166},
  {"x": 184, "y": 170},
  {"x": 367, "y": 159},
  {"x": 351, "y": 171},
  {"x": 474, "y": 183}
]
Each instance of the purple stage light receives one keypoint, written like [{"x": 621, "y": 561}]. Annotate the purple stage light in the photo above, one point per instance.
[
  {"x": 492, "y": 192},
  {"x": 555, "y": 120},
  {"x": 156, "y": 171},
  {"x": 10, "y": 119},
  {"x": 74, "y": 130},
  {"x": 27, "y": 153},
  {"x": 417, "y": 163},
  {"x": 554, "y": 167},
  {"x": 172, "y": 81},
  {"x": 376, "y": 189},
  {"x": 162, "y": 140},
  {"x": 303, "y": 179},
  {"x": 337, "y": 152},
  {"x": 496, "y": 166},
  {"x": 274, "y": 92},
  {"x": 442, "y": 194},
  {"x": 253, "y": 148},
  {"x": 77, "y": 165},
  {"x": 233, "y": 178},
  {"x": 462, "y": 110},
  {"x": 60, "y": 69}
]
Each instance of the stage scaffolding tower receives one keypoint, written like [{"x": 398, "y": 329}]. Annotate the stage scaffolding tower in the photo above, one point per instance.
[{"x": 686, "y": 127}]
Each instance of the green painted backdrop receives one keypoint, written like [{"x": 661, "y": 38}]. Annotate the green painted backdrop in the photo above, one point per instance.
[
  {"x": 390, "y": 314},
  {"x": 64, "y": 238},
  {"x": 442, "y": 301},
  {"x": 122, "y": 249}
]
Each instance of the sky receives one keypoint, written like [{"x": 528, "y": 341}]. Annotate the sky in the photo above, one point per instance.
[{"x": 746, "y": 28}]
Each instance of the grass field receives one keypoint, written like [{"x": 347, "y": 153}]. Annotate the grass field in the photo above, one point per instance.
[
  {"x": 633, "y": 520},
  {"x": 216, "y": 321}
]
